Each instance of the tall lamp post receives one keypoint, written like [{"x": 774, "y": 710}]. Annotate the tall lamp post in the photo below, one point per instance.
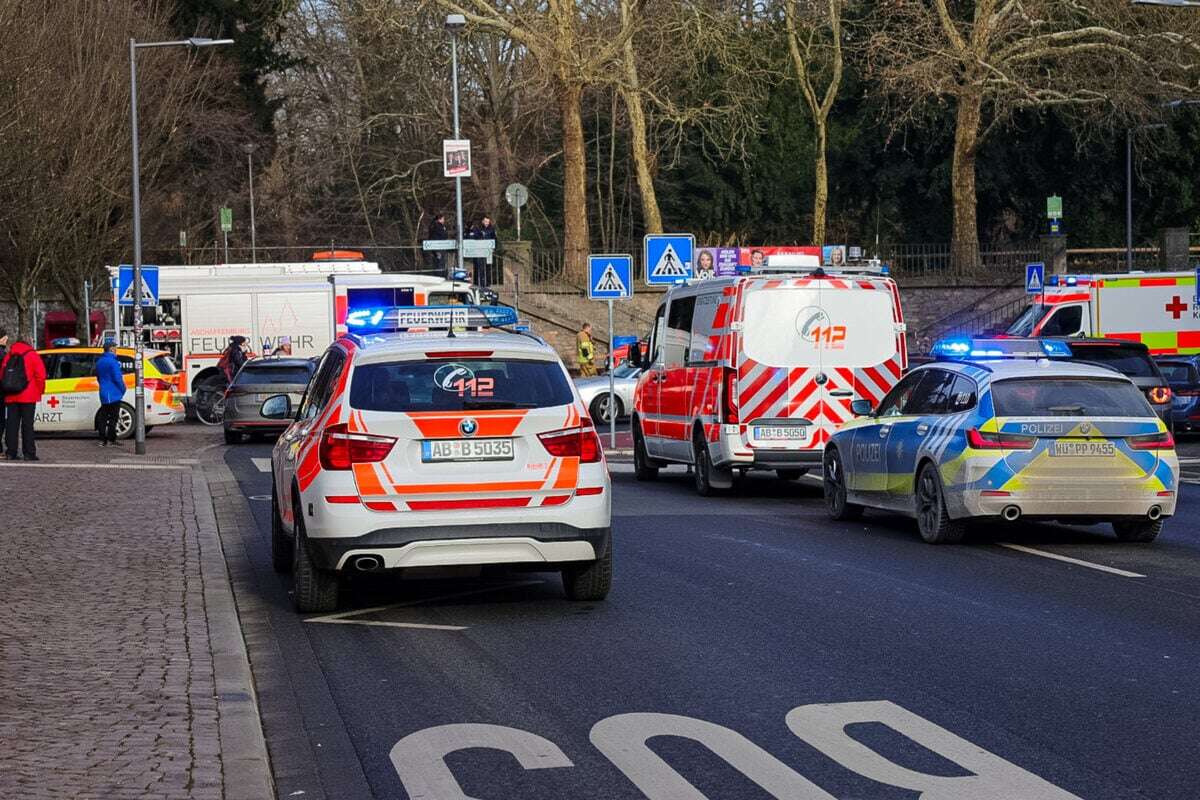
[
  {"x": 454, "y": 24},
  {"x": 248, "y": 148},
  {"x": 139, "y": 392}
]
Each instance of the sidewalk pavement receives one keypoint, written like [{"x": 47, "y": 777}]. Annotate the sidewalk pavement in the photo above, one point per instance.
[
  {"x": 623, "y": 451},
  {"x": 123, "y": 671}
]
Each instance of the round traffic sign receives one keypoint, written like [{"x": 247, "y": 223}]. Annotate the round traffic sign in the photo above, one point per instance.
[{"x": 516, "y": 194}]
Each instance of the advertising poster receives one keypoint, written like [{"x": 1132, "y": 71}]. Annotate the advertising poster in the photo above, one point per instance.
[
  {"x": 753, "y": 258},
  {"x": 456, "y": 158},
  {"x": 716, "y": 262},
  {"x": 833, "y": 255}
]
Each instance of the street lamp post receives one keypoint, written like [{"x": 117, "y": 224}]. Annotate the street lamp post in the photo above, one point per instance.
[
  {"x": 455, "y": 23},
  {"x": 139, "y": 392},
  {"x": 249, "y": 149}
]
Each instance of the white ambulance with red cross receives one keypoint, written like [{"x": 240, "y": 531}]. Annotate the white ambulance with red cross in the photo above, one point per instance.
[
  {"x": 757, "y": 371},
  {"x": 1158, "y": 309}
]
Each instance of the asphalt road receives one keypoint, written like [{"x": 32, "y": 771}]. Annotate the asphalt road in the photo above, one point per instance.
[{"x": 761, "y": 651}]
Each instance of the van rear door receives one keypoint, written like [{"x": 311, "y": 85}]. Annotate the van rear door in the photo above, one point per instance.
[{"x": 810, "y": 346}]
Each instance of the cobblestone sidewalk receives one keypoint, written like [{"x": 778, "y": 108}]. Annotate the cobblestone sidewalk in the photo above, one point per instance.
[{"x": 123, "y": 672}]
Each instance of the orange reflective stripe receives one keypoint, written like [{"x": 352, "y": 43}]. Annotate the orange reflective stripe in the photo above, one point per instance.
[
  {"x": 568, "y": 474},
  {"x": 368, "y": 481},
  {"x": 468, "y": 488},
  {"x": 441, "y": 425}
]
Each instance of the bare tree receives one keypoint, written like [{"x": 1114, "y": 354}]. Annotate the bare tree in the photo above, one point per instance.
[
  {"x": 814, "y": 38},
  {"x": 1103, "y": 62}
]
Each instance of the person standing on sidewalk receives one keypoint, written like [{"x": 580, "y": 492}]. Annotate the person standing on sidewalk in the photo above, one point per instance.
[
  {"x": 585, "y": 351},
  {"x": 3, "y": 350},
  {"x": 22, "y": 381},
  {"x": 112, "y": 389}
]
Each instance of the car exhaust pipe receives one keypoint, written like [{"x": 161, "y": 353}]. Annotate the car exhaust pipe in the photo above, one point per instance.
[
  {"x": 367, "y": 563},
  {"x": 1154, "y": 513},
  {"x": 1011, "y": 513}
]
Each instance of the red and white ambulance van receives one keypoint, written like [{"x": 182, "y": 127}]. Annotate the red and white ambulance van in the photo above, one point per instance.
[
  {"x": 1158, "y": 309},
  {"x": 757, "y": 371}
]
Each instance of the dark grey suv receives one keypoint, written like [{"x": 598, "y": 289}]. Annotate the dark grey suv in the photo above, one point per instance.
[{"x": 257, "y": 380}]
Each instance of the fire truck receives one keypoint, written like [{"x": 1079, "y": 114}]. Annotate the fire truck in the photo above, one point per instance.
[
  {"x": 1158, "y": 309},
  {"x": 301, "y": 305},
  {"x": 757, "y": 371}
]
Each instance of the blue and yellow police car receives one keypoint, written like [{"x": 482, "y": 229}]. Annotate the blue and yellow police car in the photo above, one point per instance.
[{"x": 1002, "y": 429}]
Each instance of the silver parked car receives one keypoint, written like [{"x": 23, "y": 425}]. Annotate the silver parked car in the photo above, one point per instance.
[
  {"x": 258, "y": 379},
  {"x": 594, "y": 392}
]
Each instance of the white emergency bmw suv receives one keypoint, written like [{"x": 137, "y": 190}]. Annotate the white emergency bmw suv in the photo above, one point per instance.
[{"x": 428, "y": 450}]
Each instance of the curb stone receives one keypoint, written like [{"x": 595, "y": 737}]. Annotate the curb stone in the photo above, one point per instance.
[{"x": 246, "y": 765}]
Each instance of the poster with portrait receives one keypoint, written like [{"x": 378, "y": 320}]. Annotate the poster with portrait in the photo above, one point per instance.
[
  {"x": 456, "y": 158},
  {"x": 833, "y": 255},
  {"x": 799, "y": 257},
  {"x": 716, "y": 262}
]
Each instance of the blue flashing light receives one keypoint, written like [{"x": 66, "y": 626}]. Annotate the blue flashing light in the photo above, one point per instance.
[
  {"x": 951, "y": 347},
  {"x": 1072, "y": 280},
  {"x": 365, "y": 318},
  {"x": 1055, "y": 348},
  {"x": 458, "y": 275},
  {"x": 1052, "y": 280},
  {"x": 885, "y": 270}
]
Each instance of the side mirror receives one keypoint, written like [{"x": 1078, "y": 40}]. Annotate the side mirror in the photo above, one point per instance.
[
  {"x": 277, "y": 406},
  {"x": 635, "y": 355},
  {"x": 489, "y": 298},
  {"x": 861, "y": 408}
]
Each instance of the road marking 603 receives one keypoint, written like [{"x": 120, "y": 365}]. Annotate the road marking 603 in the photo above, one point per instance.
[{"x": 420, "y": 758}]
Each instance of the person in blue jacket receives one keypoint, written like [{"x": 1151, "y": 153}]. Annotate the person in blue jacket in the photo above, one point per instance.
[{"x": 112, "y": 389}]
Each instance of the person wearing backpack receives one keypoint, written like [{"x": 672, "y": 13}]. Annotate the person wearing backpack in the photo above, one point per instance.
[{"x": 22, "y": 381}]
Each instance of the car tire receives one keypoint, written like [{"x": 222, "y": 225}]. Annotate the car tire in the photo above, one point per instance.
[
  {"x": 704, "y": 474},
  {"x": 126, "y": 424},
  {"x": 313, "y": 589},
  {"x": 834, "y": 487},
  {"x": 643, "y": 468},
  {"x": 933, "y": 521},
  {"x": 596, "y": 409},
  {"x": 1137, "y": 530},
  {"x": 591, "y": 580},
  {"x": 232, "y": 437},
  {"x": 281, "y": 543},
  {"x": 790, "y": 474}
]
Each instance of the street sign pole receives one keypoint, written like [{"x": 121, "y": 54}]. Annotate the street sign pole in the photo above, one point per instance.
[
  {"x": 612, "y": 382},
  {"x": 139, "y": 378}
]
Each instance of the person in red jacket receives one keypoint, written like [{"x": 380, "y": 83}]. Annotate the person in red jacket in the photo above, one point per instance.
[{"x": 22, "y": 403}]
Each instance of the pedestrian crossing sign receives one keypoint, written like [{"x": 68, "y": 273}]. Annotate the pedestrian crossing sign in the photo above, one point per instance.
[
  {"x": 668, "y": 258},
  {"x": 1035, "y": 278},
  {"x": 125, "y": 290},
  {"x": 610, "y": 277}
]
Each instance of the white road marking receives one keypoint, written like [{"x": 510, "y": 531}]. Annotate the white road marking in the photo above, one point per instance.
[
  {"x": 1187, "y": 462},
  {"x": 343, "y": 618},
  {"x": 1079, "y": 562},
  {"x": 39, "y": 465},
  {"x": 262, "y": 464}
]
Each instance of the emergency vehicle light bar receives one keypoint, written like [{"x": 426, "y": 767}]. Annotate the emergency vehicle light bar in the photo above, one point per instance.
[
  {"x": 952, "y": 349},
  {"x": 392, "y": 318}
]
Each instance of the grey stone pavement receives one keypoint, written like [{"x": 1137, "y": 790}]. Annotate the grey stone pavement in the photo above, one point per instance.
[{"x": 123, "y": 671}]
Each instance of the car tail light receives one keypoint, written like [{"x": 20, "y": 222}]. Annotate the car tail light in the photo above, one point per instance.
[
  {"x": 729, "y": 396},
  {"x": 1163, "y": 440},
  {"x": 580, "y": 442},
  {"x": 341, "y": 449},
  {"x": 981, "y": 440},
  {"x": 157, "y": 385},
  {"x": 1159, "y": 395}
]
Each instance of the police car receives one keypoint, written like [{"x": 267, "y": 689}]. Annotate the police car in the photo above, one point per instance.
[
  {"x": 71, "y": 401},
  {"x": 1001, "y": 429},
  {"x": 462, "y": 445}
]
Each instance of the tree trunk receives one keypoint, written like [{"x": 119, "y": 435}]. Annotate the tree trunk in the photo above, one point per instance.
[
  {"x": 821, "y": 188},
  {"x": 964, "y": 240},
  {"x": 632, "y": 96},
  {"x": 575, "y": 222}
]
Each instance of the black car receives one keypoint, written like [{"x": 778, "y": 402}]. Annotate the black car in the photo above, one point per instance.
[
  {"x": 258, "y": 379},
  {"x": 1133, "y": 360}
]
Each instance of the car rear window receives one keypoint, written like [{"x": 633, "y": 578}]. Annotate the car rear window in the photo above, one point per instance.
[
  {"x": 1176, "y": 372},
  {"x": 278, "y": 374},
  {"x": 164, "y": 365},
  {"x": 1125, "y": 360},
  {"x": 1068, "y": 397},
  {"x": 445, "y": 385}
]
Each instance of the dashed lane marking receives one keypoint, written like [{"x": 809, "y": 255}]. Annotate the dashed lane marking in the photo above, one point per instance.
[
  {"x": 262, "y": 464},
  {"x": 1078, "y": 562},
  {"x": 344, "y": 618}
]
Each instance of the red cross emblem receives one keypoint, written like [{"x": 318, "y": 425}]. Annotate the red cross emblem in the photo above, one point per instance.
[
  {"x": 1176, "y": 306},
  {"x": 53, "y": 402}
]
